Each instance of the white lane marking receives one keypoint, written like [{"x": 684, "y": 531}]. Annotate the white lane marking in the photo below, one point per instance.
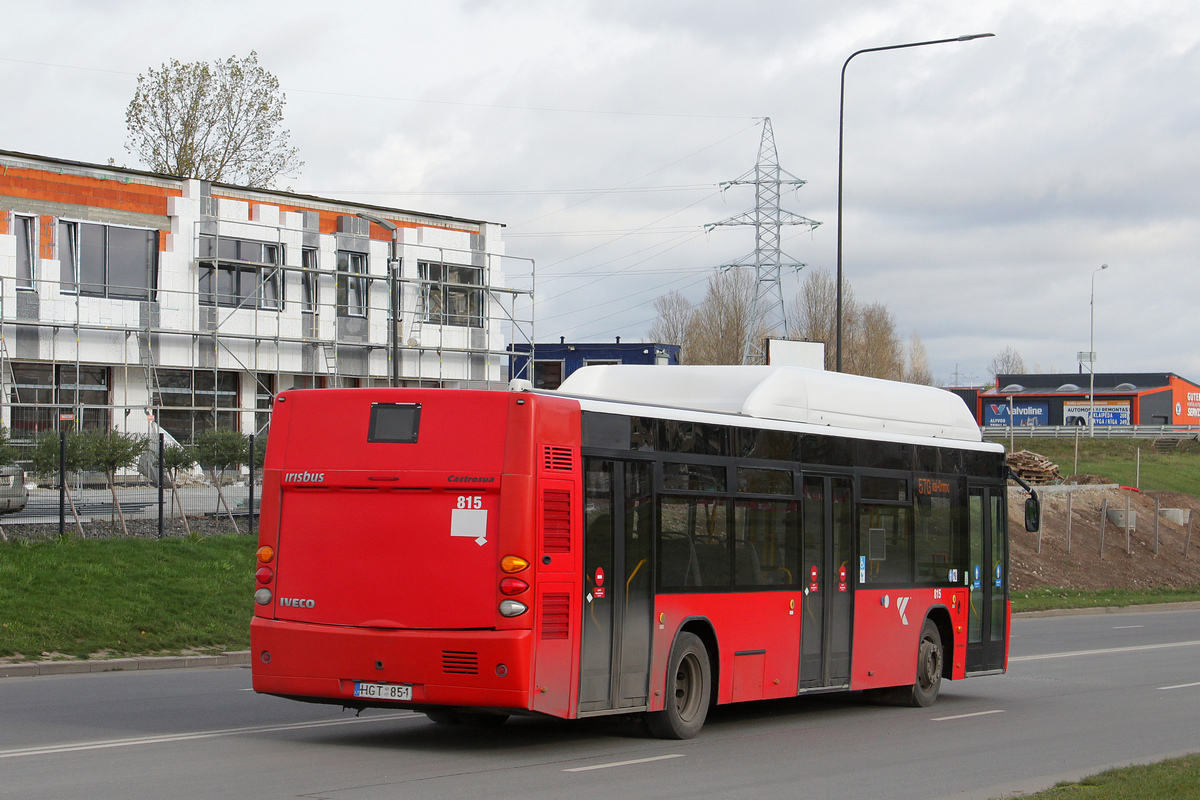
[
  {"x": 1104, "y": 652},
  {"x": 54, "y": 749},
  {"x": 1179, "y": 686},
  {"x": 1126, "y": 627},
  {"x": 624, "y": 763},
  {"x": 964, "y": 716}
]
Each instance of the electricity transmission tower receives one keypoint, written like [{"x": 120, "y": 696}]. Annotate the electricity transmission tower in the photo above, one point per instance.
[{"x": 766, "y": 310}]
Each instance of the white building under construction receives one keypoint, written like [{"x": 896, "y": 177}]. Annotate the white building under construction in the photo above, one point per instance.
[{"x": 128, "y": 298}]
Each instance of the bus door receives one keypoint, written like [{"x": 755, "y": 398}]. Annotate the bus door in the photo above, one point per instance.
[
  {"x": 617, "y": 603},
  {"x": 987, "y": 579},
  {"x": 828, "y": 579}
]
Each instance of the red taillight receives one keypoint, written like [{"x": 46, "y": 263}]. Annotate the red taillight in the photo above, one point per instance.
[
  {"x": 264, "y": 575},
  {"x": 513, "y": 586}
]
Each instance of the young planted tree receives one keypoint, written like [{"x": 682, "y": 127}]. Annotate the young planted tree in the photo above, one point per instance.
[
  {"x": 216, "y": 450},
  {"x": 109, "y": 451},
  {"x": 218, "y": 122},
  {"x": 46, "y": 456},
  {"x": 8, "y": 455},
  {"x": 174, "y": 458}
]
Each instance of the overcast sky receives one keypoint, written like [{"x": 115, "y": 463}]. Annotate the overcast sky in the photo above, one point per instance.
[{"x": 985, "y": 181}]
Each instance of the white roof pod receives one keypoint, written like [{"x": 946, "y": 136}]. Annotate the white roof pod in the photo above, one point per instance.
[{"x": 792, "y": 394}]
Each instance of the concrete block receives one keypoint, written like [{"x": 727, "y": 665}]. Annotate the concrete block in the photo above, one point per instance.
[
  {"x": 1116, "y": 516},
  {"x": 265, "y": 214},
  {"x": 1179, "y": 516}
]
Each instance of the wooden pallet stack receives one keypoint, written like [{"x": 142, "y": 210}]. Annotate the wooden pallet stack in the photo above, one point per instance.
[{"x": 1033, "y": 468}]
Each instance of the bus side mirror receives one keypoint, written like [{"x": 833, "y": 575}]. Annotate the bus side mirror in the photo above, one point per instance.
[{"x": 1033, "y": 513}]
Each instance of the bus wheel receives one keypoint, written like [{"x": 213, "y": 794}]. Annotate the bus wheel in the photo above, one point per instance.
[
  {"x": 444, "y": 717},
  {"x": 689, "y": 686},
  {"x": 930, "y": 656}
]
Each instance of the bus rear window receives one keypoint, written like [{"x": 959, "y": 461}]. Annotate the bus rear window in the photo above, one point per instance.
[{"x": 394, "y": 422}]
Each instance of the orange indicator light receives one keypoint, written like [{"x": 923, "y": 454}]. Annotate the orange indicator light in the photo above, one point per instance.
[{"x": 511, "y": 564}]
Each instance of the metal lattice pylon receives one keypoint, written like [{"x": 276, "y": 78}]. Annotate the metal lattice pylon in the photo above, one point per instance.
[{"x": 767, "y": 312}]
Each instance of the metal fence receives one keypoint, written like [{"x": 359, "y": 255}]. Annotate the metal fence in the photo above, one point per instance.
[
  {"x": 144, "y": 502},
  {"x": 1098, "y": 432}
]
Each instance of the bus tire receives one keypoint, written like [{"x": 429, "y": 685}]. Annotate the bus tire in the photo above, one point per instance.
[
  {"x": 930, "y": 658},
  {"x": 444, "y": 717},
  {"x": 689, "y": 688}
]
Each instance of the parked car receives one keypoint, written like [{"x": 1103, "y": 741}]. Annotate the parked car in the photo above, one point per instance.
[{"x": 13, "y": 495}]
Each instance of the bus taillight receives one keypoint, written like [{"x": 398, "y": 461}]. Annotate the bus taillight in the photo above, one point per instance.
[
  {"x": 265, "y": 554},
  {"x": 265, "y": 575},
  {"x": 513, "y": 586}
]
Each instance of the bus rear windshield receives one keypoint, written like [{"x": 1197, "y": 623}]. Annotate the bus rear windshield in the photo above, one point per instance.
[{"x": 394, "y": 422}]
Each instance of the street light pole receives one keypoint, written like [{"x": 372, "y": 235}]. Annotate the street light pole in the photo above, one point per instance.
[
  {"x": 393, "y": 291},
  {"x": 1092, "y": 357},
  {"x": 841, "y": 128}
]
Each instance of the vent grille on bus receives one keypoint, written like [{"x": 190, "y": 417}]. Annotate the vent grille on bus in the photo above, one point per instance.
[
  {"x": 557, "y": 459},
  {"x": 460, "y": 662},
  {"x": 556, "y": 615},
  {"x": 556, "y": 522}
]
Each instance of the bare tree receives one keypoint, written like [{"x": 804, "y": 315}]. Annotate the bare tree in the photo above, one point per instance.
[
  {"x": 222, "y": 122},
  {"x": 1007, "y": 362},
  {"x": 719, "y": 326},
  {"x": 812, "y": 313},
  {"x": 673, "y": 321},
  {"x": 877, "y": 350},
  {"x": 918, "y": 369}
]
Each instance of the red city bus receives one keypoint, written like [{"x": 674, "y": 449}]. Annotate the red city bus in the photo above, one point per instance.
[{"x": 645, "y": 540}]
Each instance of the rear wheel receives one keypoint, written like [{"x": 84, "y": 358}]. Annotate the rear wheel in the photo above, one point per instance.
[{"x": 689, "y": 687}]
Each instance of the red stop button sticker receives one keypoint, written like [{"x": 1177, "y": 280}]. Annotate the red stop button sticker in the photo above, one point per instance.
[{"x": 599, "y": 576}]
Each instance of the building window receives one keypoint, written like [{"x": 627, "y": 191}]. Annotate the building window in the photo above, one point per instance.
[
  {"x": 309, "y": 297},
  {"x": 191, "y": 402},
  {"x": 107, "y": 260},
  {"x": 452, "y": 294},
  {"x": 238, "y": 273},
  {"x": 25, "y": 241},
  {"x": 40, "y": 393},
  {"x": 352, "y": 290},
  {"x": 548, "y": 374}
]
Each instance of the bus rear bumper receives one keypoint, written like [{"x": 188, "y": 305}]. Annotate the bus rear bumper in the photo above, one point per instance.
[{"x": 324, "y": 663}]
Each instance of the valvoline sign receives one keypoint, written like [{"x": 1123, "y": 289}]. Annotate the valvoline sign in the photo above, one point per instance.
[{"x": 1023, "y": 413}]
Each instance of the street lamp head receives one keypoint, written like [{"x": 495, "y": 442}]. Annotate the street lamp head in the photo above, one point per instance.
[
  {"x": 1104, "y": 266},
  {"x": 391, "y": 226},
  {"x": 969, "y": 37}
]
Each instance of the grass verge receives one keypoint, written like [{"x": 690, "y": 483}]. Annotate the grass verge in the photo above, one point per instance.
[
  {"x": 1173, "y": 779},
  {"x": 1117, "y": 460},
  {"x": 1047, "y": 598},
  {"x": 78, "y": 597}
]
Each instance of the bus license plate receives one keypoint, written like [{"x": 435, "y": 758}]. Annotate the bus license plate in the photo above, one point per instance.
[{"x": 383, "y": 691}]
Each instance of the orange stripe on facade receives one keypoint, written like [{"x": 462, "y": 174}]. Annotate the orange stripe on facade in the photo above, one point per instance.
[{"x": 80, "y": 190}]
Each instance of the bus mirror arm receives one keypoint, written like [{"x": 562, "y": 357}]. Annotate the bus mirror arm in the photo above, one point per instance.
[{"x": 1033, "y": 505}]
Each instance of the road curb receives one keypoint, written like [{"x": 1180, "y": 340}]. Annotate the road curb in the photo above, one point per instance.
[
  {"x": 1141, "y": 608},
  {"x": 238, "y": 658}
]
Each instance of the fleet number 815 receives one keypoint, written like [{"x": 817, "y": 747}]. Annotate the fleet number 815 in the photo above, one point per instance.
[{"x": 466, "y": 501}]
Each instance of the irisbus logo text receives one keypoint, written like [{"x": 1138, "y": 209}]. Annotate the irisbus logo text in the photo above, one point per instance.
[{"x": 304, "y": 477}]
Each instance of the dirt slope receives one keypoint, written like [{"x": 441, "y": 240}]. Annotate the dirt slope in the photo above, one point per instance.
[{"x": 1084, "y": 567}]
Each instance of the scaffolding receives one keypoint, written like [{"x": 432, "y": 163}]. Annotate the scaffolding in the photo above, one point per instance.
[{"x": 270, "y": 333}]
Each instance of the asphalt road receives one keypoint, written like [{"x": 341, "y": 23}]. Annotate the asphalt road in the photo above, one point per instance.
[{"x": 1082, "y": 693}]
